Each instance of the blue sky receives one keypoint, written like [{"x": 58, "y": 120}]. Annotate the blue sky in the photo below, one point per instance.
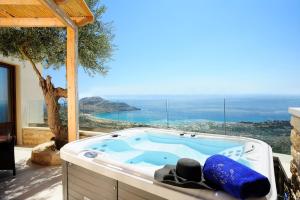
[{"x": 199, "y": 47}]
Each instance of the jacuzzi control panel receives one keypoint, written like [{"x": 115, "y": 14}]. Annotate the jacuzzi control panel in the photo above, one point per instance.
[{"x": 90, "y": 154}]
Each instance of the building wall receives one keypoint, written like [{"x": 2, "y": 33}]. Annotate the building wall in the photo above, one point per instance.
[
  {"x": 33, "y": 136},
  {"x": 29, "y": 97}
]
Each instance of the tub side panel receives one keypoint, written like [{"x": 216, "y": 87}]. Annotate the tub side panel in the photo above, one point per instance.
[
  {"x": 65, "y": 180},
  {"x": 85, "y": 184},
  {"x": 126, "y": 192}
]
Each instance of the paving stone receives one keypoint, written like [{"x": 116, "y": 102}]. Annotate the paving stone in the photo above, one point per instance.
[
  {"x": 295, "y": 139},
  {"x": 295, "y": 183},
  {"x": 293, "y": 168},
  {"x": 295, "y": 122},
  {"x": 32, "y": 182},
  {"x": 296, "y": 156}
]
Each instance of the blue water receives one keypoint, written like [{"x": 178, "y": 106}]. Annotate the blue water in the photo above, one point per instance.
[
  {"x": 197, "y": 108},
  {"x": 153, "y": 149}
]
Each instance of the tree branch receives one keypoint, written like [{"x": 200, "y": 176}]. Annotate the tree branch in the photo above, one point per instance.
[
  {"x": 25, "y": 54},
  {"x": 61, "y": 92},
  {"x": 57, "y": 92}
]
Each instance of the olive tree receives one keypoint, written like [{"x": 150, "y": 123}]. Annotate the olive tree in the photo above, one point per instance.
[{"x": 48, "y": 47}]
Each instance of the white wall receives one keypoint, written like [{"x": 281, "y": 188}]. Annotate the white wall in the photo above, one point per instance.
[{"x": 29, "y": 97}]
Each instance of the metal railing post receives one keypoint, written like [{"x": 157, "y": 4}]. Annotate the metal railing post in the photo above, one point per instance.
[
  {"x": 167, "y": 112},
  {"x": 224, "y": 105}
]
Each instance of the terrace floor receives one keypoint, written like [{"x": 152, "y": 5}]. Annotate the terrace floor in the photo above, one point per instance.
[
  {"x": 35, "y": 182},
  {"x": 32, "y": 182}
]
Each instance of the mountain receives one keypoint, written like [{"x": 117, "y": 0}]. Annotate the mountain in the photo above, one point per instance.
[{"x": 100, "y": 105}]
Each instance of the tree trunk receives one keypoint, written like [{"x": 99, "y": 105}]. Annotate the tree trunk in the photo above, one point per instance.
[
  {"x": 51, "y": 96},
  {"x": 51, "y": 100}
]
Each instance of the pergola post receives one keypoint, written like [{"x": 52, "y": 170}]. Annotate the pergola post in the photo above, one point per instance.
[{"x": 71, "y": 65}]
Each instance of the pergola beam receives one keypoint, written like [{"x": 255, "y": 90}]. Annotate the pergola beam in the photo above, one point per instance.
[
  {"x": 39, "y": 22},
  {"x": 30, "y": 22},
  {"x": 83, "y": 21},
  {"x": 27, "y": 2},
  {"x": 59, "y": 13}
]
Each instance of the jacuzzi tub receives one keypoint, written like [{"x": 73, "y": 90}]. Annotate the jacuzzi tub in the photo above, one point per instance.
[{"x": 131, "y": 156}]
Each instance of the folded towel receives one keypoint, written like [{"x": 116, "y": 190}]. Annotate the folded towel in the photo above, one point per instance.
[{"x": 234, "y": 178}]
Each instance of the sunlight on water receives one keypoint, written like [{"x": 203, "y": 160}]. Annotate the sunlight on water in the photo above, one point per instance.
[{"x": 153, "y": 149}]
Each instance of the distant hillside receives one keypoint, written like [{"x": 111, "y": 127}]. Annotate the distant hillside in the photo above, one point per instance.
[{"x": 100, "y": 105}]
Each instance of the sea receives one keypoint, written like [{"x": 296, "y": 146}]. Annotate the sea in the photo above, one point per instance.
[{"x": 191, "y": 108}]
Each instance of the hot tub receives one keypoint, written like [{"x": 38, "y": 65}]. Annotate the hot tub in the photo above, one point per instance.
[{"x": 130, "y": 157}]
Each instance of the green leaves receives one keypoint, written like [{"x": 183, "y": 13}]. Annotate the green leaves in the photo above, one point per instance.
[
  {"x": 48, "y": 45},
  {"x": 95, "y": 48}
]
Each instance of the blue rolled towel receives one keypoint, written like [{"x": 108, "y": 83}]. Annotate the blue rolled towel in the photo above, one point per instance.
[{"x": 234, "y": 178}]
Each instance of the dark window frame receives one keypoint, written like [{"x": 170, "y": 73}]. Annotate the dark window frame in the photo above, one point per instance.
[{"x": 12, "y": 77}]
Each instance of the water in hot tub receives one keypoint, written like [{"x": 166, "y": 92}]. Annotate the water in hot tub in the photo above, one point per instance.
[{"x": 154, "y": 150}]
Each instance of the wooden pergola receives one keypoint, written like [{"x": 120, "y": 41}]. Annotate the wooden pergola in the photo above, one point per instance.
[{"x": 53, "y": 13}]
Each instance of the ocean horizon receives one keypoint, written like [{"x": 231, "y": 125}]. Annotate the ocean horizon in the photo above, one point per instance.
[{"x": 161, "y": 109}]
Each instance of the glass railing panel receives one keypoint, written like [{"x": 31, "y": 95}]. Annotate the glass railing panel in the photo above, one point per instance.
[
  {"x": 261, "y": 117},
  {"x": 197, "y": 114},
  {"x": 35, "y": 114}
]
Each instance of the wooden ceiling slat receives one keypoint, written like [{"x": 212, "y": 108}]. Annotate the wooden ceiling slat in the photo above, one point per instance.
[
  {"x": 30, "y": 22},
  {"x": 5, "y": 13},
  {"x": 73, "y": 9},
  {"x": 19, "y": 2},
  {"x": 27, "y": 2},
  {"x": 27, "y": 11},
  {"x": 38, "y": 22}
]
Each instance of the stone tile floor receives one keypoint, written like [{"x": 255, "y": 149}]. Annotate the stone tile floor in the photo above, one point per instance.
[{"x": 32, "y": 182}]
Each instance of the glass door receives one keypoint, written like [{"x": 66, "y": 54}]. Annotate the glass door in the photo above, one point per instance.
[{"x": 7, "y": 100}]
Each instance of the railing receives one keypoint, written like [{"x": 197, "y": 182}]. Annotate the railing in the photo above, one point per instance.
[
  {"x": 264, "y": 118},
  {"x": 34, "y": 113},
  {"x": 247, "y": 116}
]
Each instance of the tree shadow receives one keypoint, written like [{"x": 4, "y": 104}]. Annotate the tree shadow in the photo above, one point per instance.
[{"x": 29, "y": 180}]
